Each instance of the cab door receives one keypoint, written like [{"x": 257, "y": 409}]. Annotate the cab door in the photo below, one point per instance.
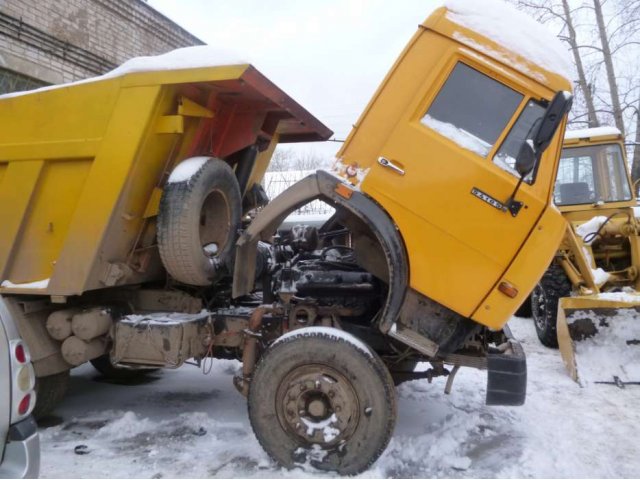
[{"x": 445, "y": 175}]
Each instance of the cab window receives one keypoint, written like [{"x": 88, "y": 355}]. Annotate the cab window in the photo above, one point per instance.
[
  {"x": 591, "y": 174},
  {"x": 472, "y": 109},
  {"x": 522, "y": 130}
]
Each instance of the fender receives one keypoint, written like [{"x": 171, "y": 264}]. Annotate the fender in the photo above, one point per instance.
[{"x": 322, "y": 185}]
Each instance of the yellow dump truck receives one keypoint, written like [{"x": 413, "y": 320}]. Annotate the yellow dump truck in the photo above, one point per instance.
[
  {"x": 594, "y": 277},
  {"x": 135, "y": 233}
]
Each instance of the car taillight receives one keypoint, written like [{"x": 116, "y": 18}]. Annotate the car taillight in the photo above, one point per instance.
[
  {"x": 20, "y": 354},
  {"x": 23, "y": 407},
  {"x": 23, "y": 380}
]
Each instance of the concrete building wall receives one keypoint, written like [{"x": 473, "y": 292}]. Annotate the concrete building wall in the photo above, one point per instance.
[{"x": 49, "y": 41}]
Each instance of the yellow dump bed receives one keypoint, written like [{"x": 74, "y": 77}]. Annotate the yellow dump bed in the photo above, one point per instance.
[{"x": 82, "y": 166}]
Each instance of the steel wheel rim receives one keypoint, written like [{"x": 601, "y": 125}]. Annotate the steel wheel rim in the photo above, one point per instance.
[{"x": 317, "y": 405}]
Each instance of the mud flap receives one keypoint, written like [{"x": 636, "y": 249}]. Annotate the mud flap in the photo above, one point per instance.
[
  {"x": 507, "y": 375},
  {"x": 599, "y": 338}
]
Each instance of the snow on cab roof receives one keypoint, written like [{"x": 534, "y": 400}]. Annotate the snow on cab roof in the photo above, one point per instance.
[
  {"x": 514, "y": 30},
  {"x": 201, "y": 56},
  {"x": 591, "y": 132}
]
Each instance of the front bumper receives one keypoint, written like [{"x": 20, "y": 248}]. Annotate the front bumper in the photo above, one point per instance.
[
  {"x": 22, "y": 451},
  {"x": 507, "y": 374}
]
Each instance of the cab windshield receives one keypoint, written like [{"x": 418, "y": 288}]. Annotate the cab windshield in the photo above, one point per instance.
[{"x": 592, "y": 174}]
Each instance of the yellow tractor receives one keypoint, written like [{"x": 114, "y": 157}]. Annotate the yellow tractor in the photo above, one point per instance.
[{"x": 586, "y": 302}]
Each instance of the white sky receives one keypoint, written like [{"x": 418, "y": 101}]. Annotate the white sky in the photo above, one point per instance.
[{"x": 330, "y": 56}]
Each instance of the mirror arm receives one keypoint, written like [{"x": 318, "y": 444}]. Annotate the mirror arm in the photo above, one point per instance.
[{"x": 513, "y": 205}]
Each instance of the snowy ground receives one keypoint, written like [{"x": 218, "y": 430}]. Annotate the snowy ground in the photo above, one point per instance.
[{"x": 183, "y": 424}]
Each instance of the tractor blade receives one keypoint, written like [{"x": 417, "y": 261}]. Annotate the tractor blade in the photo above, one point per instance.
[{"x": 599, "y": 337}]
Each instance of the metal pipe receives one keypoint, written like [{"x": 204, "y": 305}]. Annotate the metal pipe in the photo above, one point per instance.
[{"x": 250, "y": 349}]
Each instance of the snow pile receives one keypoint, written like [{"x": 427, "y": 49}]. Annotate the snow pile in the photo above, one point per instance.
[
  {"x": 163, "y": 318},
  {"x": 600, "y": 277},
  {"x": 626, "y": 297},
  {"x": 187, "y": 169},
  {"x": 591, "y": 132},
  {"x": 40, "y": 284},
  {"x": 608, "y": 354},
  {"x": 590, "y": 227},
  {"x": 182, "y": 58},
  {"x": 186, "y": 425},
  {"x": 461, "y": 137},
  {"x": 514, "y": 30}
]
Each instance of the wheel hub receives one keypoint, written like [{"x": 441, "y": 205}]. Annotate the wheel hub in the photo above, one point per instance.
[{"x": 317, "y": 405}]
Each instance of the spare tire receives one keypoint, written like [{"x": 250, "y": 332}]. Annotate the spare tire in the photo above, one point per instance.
[{"x": 198, "y": 221}]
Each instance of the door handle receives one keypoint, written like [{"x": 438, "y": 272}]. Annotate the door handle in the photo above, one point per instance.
[{"x": 385, "y": 162}]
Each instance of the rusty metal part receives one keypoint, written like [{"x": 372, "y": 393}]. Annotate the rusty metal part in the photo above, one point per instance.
[
  {"x": 318, "y": 405},
  {"x": 164, "y": 342},
  {"x": 250, "y": 350},
  {"x": 322, "y": 185},
  {"x": 450, "y": 378}
]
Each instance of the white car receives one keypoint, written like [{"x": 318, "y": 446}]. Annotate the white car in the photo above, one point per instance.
[{"x": 19, "y": 441}]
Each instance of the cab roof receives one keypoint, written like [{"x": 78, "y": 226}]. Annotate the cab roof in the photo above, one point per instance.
[
  {"x": 598, "y": 134},
  {"x": 507, "y": 35}
]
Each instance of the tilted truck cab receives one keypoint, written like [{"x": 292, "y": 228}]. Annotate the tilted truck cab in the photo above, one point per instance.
[{"x": 167, "y": 249}]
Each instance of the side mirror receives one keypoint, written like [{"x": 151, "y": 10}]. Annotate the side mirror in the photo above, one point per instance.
[
  {"x": 554, "y": 114},
  {"x": 526, "y": 159}
]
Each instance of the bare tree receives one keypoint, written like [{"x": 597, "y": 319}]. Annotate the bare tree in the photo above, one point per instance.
[
  {"x": 585, "y": 87},
  {"x": 608, "y": 63}
]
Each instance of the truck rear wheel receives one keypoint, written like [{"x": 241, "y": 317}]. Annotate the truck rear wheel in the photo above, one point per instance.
[
  {"x": 105, "y": 367},
  {"x": 320, "y": 396},
  {"x": 198, "y": 221},
  {"x": 50, "y": 391},
  {"x": 544, "y": 304}
]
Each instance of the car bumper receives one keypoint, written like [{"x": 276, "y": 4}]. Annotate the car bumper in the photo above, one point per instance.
[
  {"x": 507, "y": 374},
  {"x": 22, "y": 452}
]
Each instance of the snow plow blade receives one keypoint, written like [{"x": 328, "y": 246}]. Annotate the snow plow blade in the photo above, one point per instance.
[{"x": 599, "y": 338}]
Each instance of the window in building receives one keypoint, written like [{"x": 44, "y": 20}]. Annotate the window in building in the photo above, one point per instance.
[{"x": 11, "y": 81}]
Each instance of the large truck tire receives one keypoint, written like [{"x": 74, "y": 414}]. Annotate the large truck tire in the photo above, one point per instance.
[
  {"x": 525, "y": 309},
  {"x": 198, "y": 220},
  {"x": 553, "y": 285},
  {"x": 50, "y": 391},
  {"x": 321, "y": 396}
]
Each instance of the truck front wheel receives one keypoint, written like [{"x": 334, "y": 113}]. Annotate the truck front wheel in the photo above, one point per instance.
[
  {"x": 544, "y": 304},
  {"x": 321, "y": 396}
]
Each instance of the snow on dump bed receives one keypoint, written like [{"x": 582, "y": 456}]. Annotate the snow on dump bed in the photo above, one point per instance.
[
  {"x": 190, "y": 57},
  {"x": 514, "y": 30},
  {"x": 591, "y": 132},
  {"x": 613, "y": 352}
]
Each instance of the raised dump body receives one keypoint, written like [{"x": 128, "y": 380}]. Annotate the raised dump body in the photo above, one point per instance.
[
  {"x": 443, "y": 224},
  {"x": 82, "y": 166}
]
